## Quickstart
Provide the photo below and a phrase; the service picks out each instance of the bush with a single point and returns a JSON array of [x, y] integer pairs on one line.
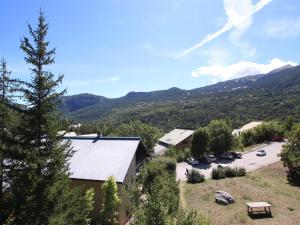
[[183, 155], [191, 218], [180, 157], [218, 173], [290, 155], [195, 177], [229, 172], [170, 163], [223, 172], [262, 133], [241, 171]]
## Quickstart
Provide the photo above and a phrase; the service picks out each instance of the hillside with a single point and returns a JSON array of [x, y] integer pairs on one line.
[[264, 96], [268, 184]]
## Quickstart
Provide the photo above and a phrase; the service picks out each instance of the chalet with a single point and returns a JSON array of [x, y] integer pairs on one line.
[[96, 158], [179, 138], [246, 127]]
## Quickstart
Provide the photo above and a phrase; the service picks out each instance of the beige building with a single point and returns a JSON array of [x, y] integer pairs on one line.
[[179, 138], [246, 127], [97, 158]]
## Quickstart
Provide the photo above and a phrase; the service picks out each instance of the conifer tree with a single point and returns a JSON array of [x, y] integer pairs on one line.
[[8, 87], [39, 165], [111, 202]]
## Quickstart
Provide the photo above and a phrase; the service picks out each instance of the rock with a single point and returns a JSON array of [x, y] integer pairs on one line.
[[222, 201], [224, 198]]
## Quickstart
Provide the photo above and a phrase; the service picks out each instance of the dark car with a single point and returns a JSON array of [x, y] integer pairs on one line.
[[192, 161], [210, 159], [226, 155], [277, 139], [236, 155]]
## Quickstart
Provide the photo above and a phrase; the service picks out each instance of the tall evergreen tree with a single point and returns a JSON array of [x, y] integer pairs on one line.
[[8, 87], [39, 165], [111, 202]]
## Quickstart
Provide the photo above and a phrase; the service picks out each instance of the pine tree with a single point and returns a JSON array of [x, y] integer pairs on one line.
[[39, 165], [8, 87], [111, 202]]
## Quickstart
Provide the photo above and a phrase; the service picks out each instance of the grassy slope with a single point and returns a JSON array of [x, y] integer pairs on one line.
[[267, 184]]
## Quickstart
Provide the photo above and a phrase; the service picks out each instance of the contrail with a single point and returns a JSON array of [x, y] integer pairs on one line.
[[228, 26]]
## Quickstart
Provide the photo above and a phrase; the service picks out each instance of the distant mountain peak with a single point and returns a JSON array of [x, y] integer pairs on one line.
[[174, 89], [288, 66]]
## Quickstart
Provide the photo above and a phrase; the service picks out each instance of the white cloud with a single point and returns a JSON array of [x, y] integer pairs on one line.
[[239, 19], [284, 28], [218, 56], [239, 69]]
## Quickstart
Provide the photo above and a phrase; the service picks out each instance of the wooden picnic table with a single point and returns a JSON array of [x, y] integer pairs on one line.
[[258, 207]]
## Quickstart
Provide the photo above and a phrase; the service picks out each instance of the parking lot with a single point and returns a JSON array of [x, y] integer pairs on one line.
[[249, 161]]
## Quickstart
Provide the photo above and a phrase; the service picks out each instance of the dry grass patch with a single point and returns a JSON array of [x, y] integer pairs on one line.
[[267, 184]]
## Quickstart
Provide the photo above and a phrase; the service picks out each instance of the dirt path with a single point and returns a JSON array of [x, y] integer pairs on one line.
[[181, 196]]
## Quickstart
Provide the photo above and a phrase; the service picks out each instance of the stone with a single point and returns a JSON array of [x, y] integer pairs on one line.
[[224, 198]]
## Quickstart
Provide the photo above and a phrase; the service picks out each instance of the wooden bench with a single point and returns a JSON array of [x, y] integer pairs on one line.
[[258, 208]]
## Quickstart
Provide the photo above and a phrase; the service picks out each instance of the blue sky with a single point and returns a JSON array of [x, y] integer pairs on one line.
[[111, 47]]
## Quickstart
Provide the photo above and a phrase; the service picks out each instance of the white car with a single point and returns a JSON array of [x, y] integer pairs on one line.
[[192, 161], [261, 152]]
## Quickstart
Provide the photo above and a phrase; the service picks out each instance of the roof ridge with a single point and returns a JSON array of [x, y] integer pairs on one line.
[[103, 138]]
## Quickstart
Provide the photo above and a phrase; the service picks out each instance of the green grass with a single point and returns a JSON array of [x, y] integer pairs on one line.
[[267, 184]]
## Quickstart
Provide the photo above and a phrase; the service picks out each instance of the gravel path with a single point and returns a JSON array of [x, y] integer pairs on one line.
[[249, 161]]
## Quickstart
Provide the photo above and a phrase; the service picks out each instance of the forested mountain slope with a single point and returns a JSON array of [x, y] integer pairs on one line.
[[265, 96]]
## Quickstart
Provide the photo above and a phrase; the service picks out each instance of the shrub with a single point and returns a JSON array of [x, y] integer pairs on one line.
[[195, 177], [290, 155], [187, 153], [171, 152], [229, 172], [247, 138], [241, 171], [223, 172], [191, 218], [180, 157], [170, 163], [262, 133], [218, 173]]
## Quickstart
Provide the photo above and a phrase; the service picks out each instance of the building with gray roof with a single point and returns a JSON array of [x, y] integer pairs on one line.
[[179, 138], [96, 158]]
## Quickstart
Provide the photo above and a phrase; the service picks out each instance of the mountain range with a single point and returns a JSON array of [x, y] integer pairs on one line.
[[274, 95]]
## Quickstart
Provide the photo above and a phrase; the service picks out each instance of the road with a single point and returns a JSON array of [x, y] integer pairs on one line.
[[249, 161]]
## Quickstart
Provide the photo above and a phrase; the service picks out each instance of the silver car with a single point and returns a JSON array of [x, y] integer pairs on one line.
[[261, 152], [192, 161]]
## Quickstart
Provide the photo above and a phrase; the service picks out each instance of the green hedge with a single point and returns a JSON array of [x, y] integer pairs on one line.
[[170, 163], [223, 172], [195, 176]]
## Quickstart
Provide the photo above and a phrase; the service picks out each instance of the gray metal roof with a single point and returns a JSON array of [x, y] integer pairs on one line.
[[159, 150], [99, 158], [176, 136]]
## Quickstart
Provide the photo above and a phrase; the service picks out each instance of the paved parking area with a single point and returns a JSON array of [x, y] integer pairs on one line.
[[249, 161]]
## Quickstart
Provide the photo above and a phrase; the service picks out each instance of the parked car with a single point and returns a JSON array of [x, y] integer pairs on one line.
[[209, 159], [261, 152], [192, 161], [226, 155], [277, 139], [236, 155]]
